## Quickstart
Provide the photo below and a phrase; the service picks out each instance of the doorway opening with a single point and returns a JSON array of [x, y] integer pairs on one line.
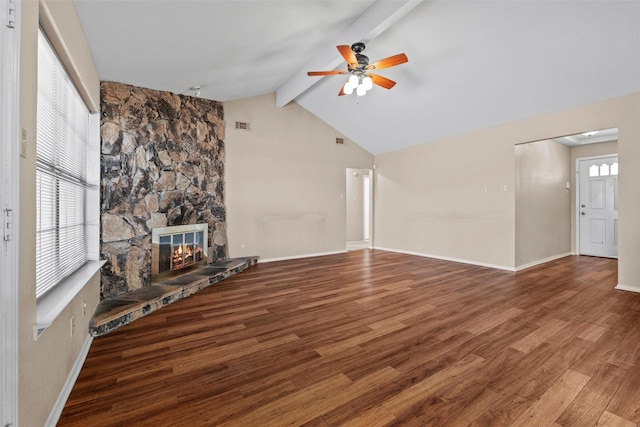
[[359, 208], [547, 195]]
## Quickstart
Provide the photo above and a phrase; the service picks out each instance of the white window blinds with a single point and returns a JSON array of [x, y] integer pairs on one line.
[[64, 127]]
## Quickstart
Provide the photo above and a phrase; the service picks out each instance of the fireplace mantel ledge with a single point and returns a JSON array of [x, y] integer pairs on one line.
[[49, 307]]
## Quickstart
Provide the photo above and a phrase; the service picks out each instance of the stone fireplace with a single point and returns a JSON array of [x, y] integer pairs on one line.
[[162, 160], [177, 249]]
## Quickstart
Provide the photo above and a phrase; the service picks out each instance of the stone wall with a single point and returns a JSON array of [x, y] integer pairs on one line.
[[162, 162]]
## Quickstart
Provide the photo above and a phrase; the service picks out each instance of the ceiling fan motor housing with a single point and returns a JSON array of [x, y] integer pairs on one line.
[[363, 60]]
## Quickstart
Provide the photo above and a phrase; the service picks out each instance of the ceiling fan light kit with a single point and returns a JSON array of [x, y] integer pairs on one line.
[[361, 80]]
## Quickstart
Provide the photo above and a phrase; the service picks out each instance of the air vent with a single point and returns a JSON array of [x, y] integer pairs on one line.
[[243, 126], [339, 140]]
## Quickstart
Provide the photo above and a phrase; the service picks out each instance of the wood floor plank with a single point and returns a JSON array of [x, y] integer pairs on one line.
[[592, 332], [378, 416], [418, 392], [594, 397], [627, 357], [598, 355], [554, 401], [537, 337], [472, 412], [611, 420], [626, 402], [492, 319], [379, 339], [378, 331], [315, 400]]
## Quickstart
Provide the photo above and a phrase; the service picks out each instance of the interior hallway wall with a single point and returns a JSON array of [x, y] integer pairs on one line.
[[285, 180], [543, 211]]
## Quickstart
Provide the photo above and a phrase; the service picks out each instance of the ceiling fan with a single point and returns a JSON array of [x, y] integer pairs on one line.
[[358, 66]]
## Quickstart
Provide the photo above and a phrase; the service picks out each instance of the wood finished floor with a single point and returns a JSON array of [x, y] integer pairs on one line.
[[373, 338]]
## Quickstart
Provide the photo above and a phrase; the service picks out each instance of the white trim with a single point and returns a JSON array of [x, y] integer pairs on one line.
[[360, 244], [55, 301], [301, 256], [56, 411], [627, 288], [9, 199], [444, 258], [542, 261], [370, 216]]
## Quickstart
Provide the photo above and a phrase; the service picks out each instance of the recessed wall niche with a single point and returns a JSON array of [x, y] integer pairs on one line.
[[162, 159]]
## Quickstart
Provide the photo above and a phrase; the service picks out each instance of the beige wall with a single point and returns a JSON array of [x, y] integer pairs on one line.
[[543, 211], [431, 199], [285, 180], [45, 362], [451, 199], [589, 150]]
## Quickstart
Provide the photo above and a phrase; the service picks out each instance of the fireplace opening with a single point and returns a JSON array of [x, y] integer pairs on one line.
[[175, 248]]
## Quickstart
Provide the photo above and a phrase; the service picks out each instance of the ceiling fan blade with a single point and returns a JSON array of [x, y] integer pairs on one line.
[[382, 81], [325, 73], [391, 61], [348, 55], [342, 92]]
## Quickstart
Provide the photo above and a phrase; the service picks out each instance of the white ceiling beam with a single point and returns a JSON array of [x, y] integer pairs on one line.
[[377, 18]]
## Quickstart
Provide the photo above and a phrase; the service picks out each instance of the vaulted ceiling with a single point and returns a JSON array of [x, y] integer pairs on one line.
[[472, 64]]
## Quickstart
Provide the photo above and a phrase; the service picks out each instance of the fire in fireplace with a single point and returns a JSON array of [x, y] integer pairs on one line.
[[177, 247]]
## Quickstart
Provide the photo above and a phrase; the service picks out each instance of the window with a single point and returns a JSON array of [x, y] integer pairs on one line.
[[604, 169], [66, 177]]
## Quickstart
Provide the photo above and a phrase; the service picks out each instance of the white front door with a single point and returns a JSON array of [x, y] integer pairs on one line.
[[598, 206]]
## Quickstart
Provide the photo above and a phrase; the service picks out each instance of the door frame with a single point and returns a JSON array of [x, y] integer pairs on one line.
[[9, 202], [368, 207], [370, 173], [577, 193]]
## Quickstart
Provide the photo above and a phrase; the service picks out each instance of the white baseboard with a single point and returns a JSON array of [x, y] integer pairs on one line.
[[628, 288], [463, 261], [542, 261], [56, 411], [301, 256]]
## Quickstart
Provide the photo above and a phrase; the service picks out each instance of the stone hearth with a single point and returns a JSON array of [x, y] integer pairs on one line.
[[113, 313]]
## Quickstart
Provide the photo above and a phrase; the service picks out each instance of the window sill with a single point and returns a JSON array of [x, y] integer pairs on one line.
[[53, 303]]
